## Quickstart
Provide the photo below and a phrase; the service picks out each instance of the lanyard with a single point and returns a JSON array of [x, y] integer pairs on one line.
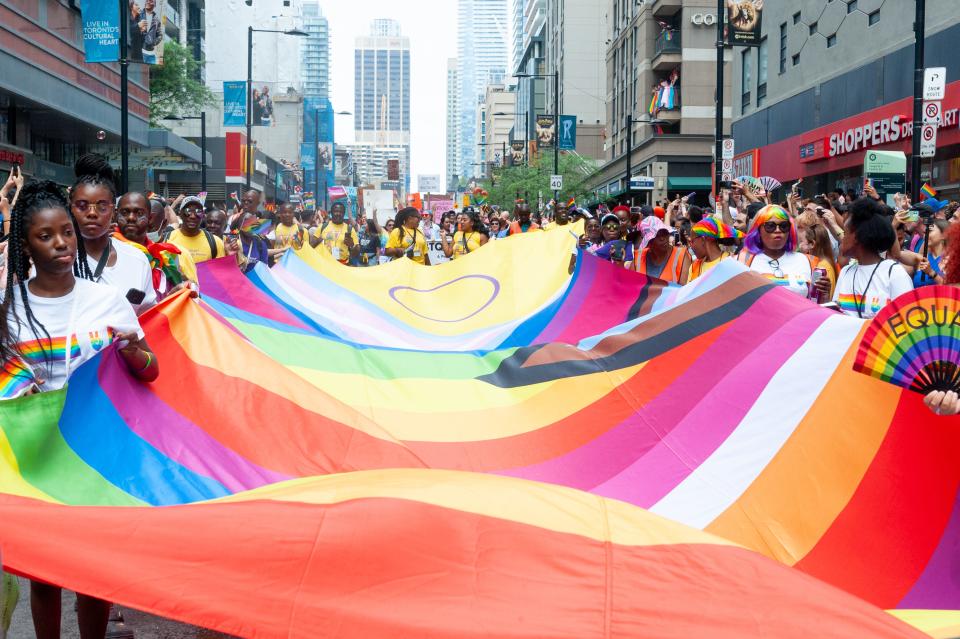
[[102, 262], [68, 346]]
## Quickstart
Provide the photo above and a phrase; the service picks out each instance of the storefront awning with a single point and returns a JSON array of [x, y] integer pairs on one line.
[[692, 183]]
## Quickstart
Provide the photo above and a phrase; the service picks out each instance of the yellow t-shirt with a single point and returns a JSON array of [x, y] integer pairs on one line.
[[286, 236], [333, 237], [699, 267], [461, 247], [187, 266], [404, 238], [197, 246]]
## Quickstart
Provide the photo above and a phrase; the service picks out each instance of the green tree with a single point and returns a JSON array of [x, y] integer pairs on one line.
[[526, 182], [174, 87]]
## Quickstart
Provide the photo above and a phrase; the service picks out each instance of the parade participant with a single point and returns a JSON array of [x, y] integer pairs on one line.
[[406, 238], [254, 248], [369, 241], [201, 244], [215, 221], [387, 229], [706, 237], [288, 233], [114, 263], [494, 228], [171, 268], [521, 222], [468, 237], [615, 249], [929, 270], [337, 236], [561, 216], [941, 402], [869, 281], [658, 257], [52, 322], [815, 242], [427, 227], [592, 238], [770, 250]]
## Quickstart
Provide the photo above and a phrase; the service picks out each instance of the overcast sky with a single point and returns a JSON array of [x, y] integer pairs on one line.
[[431, 26]]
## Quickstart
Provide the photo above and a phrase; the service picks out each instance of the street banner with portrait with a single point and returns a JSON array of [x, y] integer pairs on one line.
[[517, 151], [743, 23], [145, 31], [546, 131], [235, 103], [261, 104]]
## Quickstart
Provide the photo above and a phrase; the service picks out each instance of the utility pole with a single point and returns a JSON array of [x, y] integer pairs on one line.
[[249, 145], [203, 151], [629, 150], [124, 101], [556, 128], [918, 64], [718, 133], [316, 160]]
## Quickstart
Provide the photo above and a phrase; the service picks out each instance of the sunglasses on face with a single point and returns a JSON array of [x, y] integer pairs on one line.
[[611, 227], [102, 206], [770, 227]]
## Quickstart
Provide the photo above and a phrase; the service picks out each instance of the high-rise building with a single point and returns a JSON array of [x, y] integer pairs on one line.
[[516, 32], [453, 125], [496, 123], [369, 164], [531, 90], [575, 49], [382, 89], [316, 52], [483, 53]]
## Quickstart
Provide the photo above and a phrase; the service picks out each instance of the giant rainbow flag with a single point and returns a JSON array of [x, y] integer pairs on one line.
[[491, 447]]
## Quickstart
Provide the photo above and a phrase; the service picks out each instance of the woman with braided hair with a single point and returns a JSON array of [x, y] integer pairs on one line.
[[470, 235], [54, 318]]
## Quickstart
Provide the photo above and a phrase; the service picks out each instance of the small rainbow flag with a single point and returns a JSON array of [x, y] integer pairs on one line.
[[928, 190], [256, 226]]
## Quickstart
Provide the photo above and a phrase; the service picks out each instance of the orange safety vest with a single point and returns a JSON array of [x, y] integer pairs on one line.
[[515, 228], [672, 270]]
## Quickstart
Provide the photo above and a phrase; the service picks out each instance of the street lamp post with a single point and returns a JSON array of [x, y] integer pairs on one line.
[[203, 143], [250, 32]]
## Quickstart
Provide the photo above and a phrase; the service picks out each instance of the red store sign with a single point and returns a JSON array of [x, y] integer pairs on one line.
[[841, 145], [11, 157]]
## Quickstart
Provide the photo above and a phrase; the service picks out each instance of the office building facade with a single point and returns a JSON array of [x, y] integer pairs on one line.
[[453, 126], [483, 53], [833, 80], [315, 65]]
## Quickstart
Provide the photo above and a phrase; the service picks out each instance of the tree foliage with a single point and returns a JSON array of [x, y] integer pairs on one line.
[[522, 181], [174, 87]]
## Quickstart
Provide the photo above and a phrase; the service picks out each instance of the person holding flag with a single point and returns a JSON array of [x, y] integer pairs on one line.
[[289, 233], [337, 236]]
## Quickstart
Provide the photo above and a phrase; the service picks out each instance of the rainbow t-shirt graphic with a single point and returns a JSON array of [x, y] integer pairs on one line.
[[850, 303]]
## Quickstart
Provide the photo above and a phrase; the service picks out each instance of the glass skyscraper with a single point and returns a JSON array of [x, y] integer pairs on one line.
[[315, 69]]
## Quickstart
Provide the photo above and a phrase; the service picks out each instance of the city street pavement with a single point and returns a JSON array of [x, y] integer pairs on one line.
[[144, 626]]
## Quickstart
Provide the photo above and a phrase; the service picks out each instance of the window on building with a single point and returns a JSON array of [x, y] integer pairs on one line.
[[831, 40], [762, 72], [813, 28], [796, 59], [796, 18], [851, 6], [873, 18], [745, 79], [783, 48]]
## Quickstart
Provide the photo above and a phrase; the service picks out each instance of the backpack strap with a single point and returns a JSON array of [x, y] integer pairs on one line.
[[212, 243]]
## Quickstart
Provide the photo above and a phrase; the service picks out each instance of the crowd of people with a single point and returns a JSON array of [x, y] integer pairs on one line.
[[80, 265]]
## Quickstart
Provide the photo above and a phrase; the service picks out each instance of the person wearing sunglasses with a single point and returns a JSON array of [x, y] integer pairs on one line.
[[770, 249], [706, 238], [658, 256], [114, 263], [614, 249]]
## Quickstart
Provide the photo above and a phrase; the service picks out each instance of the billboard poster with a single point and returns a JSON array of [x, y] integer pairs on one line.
[[325, 155], [235, 103], [145, 31], [567, 135], [261, 105], [101, 30], [517, 151], [546, 131], [743, 23]]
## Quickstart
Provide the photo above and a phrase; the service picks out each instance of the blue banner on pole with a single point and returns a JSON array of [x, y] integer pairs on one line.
[[567, 133], [101, 30], [235, 103], [308, 156]]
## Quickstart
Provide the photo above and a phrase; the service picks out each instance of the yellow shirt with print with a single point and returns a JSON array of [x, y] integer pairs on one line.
[[333, 238], [288, 236], [463, 246], [701, 266], [404, 238], [197, 246]]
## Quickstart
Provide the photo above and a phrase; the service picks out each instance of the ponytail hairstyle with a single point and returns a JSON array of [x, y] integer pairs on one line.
[[35, 196], [94, 169]]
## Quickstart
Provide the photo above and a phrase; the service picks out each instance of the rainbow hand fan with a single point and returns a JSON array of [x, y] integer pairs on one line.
[[769, 183], [914, 341], [752, 183]]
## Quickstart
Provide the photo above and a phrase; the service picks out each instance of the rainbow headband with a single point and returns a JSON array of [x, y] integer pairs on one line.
[[770, 213], [712, 228]]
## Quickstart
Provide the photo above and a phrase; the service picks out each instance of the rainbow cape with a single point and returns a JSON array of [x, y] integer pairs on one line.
[[477, 453]]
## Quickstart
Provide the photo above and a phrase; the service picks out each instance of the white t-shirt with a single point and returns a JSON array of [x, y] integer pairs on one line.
[[887, 280], [81, 324], [132, 270], [792, 271]]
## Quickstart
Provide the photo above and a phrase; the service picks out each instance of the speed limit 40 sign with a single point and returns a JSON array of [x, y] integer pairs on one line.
[[556, 182]]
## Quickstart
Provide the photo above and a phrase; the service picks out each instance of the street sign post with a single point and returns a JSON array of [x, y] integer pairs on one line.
[[934, 83], [932, 112], [928, 140], [728, 149], [556, 182]]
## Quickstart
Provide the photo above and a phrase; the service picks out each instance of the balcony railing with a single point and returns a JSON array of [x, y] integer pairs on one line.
[[667, 42]]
